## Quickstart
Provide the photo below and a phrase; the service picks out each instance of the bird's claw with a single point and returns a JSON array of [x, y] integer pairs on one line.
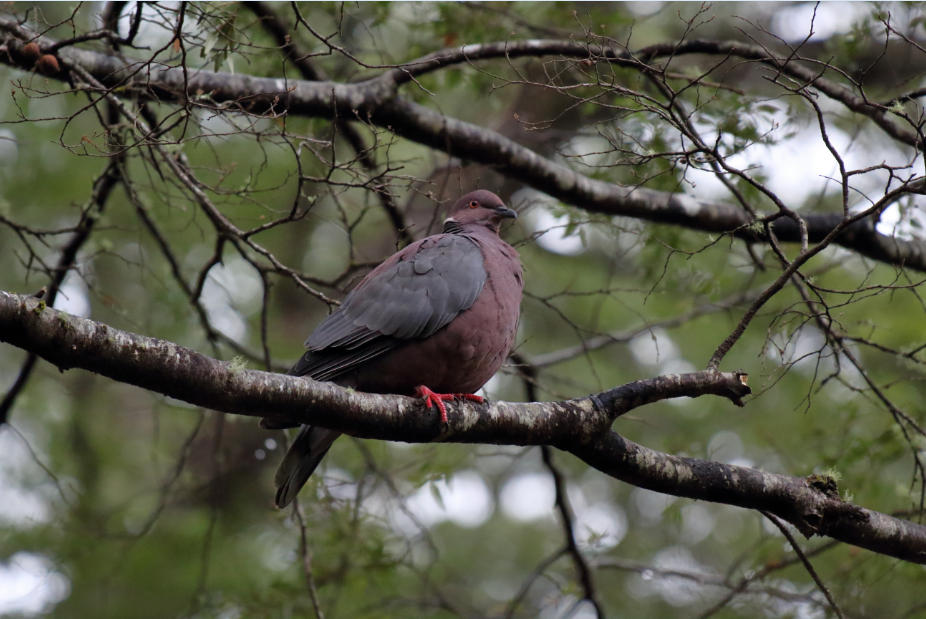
[[431, 399]]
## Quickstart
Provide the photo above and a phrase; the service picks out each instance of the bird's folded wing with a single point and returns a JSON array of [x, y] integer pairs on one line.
[[411, 295]]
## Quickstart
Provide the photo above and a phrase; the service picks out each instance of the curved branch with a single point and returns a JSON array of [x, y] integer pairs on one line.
[[580, 426], [377, 99], [163, 367], [811, 504], [467, 141], [788, 65]]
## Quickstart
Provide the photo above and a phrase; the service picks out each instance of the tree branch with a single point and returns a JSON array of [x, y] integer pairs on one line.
[[377, 100], [580, 426], [163, 367], [811, 504], [807, 565], [586, 576]]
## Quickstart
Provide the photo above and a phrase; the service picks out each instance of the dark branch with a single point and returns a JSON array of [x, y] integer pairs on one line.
[[811, 504], [586, 576], [377, 100], [166, 368], [806, 562], [580, 426]]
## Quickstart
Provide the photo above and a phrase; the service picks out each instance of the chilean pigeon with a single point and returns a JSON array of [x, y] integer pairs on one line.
[[436, 320]]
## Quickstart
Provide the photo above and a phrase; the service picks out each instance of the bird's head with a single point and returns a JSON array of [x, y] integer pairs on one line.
[[480, 208]]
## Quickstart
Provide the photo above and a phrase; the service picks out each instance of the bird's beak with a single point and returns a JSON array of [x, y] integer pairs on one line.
[[506, 213]]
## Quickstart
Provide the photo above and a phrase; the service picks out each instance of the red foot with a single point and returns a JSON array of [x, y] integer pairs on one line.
[[431, 398]]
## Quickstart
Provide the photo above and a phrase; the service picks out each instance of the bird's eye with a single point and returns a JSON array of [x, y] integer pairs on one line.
[[473, 204]]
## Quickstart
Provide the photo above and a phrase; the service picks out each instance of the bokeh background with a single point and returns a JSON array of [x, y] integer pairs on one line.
[[115, 502]]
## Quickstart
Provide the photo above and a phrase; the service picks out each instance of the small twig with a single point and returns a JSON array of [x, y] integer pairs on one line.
[[306, 554], [586, 577], [537, 573], [800, 553]]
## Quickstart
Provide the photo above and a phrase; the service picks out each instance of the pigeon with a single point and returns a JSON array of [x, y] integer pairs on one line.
[[436, 320]]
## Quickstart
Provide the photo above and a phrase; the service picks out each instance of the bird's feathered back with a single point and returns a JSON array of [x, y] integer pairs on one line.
[[403, 310]]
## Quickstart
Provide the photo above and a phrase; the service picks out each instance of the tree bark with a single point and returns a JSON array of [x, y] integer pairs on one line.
[[376, 100], [580, 426]]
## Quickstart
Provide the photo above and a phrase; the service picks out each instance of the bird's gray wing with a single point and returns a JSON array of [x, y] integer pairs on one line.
[[411, 295]]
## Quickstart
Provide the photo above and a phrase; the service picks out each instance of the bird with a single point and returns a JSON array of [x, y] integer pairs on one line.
[[435, 320]]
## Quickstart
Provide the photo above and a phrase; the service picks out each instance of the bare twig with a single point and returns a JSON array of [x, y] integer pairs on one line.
[[800, 553], [586, 577]]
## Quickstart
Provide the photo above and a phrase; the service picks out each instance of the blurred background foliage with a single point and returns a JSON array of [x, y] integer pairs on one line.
[[115, 502]]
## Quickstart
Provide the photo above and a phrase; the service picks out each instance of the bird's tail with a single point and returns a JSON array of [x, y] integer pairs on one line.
[[304, 455]]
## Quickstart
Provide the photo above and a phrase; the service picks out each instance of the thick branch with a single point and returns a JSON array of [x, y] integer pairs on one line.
[[788, 64], [468, 141], [579, 426], [811, 504], [166, 368], [377, 100]]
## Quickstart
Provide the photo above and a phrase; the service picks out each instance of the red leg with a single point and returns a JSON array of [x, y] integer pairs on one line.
[[431, 398]]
